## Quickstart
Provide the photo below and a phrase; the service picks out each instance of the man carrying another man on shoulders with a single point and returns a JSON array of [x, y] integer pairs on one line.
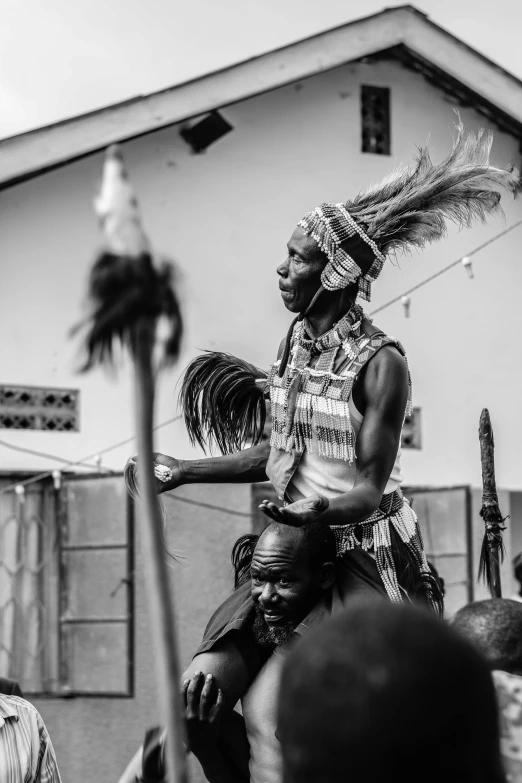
[[292, 576]]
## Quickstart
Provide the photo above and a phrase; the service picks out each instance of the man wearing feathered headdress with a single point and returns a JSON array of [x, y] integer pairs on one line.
[[339, 390]]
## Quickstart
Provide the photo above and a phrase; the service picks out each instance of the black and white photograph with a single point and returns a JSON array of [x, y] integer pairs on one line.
[[260, 382]]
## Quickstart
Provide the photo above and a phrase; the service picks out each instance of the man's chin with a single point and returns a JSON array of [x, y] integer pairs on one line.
[[289, 302], [272, 634]]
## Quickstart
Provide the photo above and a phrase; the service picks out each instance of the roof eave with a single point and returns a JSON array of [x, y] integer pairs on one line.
[[30, 154]]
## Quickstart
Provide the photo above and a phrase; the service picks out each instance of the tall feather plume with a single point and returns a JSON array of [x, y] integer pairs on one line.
[[410, 208], [223, 402]]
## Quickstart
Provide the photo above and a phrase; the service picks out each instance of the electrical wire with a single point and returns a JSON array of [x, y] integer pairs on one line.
[[65, 465], [174, 498], [54, 457], [447, 268]]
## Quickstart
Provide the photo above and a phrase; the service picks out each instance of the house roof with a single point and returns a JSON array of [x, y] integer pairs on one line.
[[403, 33]]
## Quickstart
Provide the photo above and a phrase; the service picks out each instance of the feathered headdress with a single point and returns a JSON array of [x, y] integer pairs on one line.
[[410, 208]]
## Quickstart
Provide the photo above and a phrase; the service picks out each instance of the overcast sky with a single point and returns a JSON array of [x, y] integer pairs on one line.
[[60, 58]]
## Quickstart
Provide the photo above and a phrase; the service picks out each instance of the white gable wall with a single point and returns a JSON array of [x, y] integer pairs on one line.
[[226, 216]]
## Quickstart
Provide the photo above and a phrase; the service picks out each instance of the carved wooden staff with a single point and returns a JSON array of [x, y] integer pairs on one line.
[[492, 553], [129, 294]]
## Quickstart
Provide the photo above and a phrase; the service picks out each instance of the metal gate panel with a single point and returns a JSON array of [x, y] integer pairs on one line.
[[444, 515], [96, 605]]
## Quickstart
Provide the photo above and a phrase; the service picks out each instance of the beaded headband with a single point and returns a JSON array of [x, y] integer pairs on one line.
[[336, 233]]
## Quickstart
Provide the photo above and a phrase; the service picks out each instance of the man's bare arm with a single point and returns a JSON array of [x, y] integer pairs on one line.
[[386, 393], [245, 466]]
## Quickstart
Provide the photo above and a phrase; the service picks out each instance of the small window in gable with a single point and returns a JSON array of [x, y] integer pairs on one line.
[[375, 119]]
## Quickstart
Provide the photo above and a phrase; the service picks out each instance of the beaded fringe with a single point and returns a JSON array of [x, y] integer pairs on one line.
[[310, 405], [376, 537], [335, 436]]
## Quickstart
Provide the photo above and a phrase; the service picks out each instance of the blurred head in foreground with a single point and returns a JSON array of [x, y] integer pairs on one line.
[[495, 628], [385, 691]]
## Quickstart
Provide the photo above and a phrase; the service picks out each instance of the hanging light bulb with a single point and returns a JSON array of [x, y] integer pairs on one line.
[[20, 492], [57, 479], [466, 263], [406, 301]]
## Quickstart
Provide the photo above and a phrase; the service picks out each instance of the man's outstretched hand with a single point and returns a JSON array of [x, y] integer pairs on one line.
[[173, 472], [299, 513]]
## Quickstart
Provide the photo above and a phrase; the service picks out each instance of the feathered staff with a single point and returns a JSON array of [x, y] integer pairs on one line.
[[492, 552], [223, 401], [130, 296]]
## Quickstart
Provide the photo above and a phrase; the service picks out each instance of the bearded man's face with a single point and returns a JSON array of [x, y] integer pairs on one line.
[[271, 635], [285, 585]]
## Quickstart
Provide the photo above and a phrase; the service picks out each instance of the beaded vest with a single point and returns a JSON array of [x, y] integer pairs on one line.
[[317, 384]]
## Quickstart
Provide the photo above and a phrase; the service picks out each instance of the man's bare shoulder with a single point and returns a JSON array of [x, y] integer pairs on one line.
[[385, 382], [388, 365], [388, 358]]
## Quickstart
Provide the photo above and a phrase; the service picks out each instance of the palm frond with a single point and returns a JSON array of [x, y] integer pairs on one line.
[[411, 207], [223, 401]]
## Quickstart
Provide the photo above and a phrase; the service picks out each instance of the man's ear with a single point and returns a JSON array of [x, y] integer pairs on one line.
[[327, 576], [360, 251]]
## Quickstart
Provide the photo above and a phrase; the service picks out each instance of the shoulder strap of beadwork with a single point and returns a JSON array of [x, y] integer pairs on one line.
[[369, 345]]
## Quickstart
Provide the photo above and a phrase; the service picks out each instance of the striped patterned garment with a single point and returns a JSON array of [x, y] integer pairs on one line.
[[509, 697], [26, 750], [314, 391]]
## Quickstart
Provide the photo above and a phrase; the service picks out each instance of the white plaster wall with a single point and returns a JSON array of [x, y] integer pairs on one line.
[[226, 216]]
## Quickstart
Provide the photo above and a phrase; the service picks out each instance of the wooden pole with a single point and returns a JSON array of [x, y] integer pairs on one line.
[[492, 547], [163, 627], [128, 295]]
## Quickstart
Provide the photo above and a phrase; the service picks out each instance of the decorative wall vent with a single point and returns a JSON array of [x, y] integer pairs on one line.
[[411, 431], [375, 119], [37, 408]]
